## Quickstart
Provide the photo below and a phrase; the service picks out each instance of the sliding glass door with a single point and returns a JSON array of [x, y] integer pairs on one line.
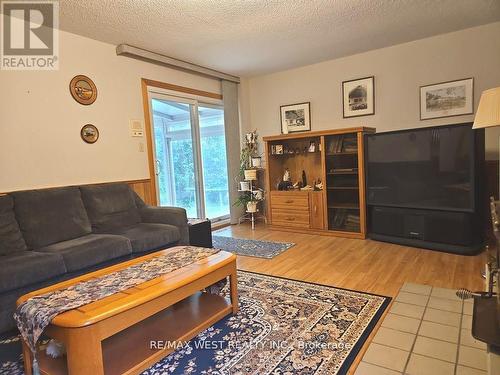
[[214, 162], [175, 165], [190, 152]]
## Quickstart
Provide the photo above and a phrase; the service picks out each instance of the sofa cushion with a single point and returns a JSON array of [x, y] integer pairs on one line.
[[11, 239], [24, 268], [52, 215], [147, 237], [90, 250], [110, 206]]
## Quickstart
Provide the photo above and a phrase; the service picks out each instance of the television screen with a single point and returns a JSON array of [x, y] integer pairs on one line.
[[422, 168]]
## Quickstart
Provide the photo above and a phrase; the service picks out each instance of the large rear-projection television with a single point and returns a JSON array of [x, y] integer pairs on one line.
[[415, 176]]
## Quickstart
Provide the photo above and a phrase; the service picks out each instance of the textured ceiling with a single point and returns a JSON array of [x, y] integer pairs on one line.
[[251, 37]]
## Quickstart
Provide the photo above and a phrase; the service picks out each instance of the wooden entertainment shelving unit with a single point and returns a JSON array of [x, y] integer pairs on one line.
[[338, 209]]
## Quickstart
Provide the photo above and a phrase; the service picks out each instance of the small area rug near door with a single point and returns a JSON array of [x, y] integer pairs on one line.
[[251, 248], [283, 327]]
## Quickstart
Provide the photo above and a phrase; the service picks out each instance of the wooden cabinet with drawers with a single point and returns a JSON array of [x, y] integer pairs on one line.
[[290, 200], [290, 208], [301, 209], [334, 157]]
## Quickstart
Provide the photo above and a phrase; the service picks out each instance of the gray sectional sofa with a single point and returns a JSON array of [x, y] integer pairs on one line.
[[51, 235]]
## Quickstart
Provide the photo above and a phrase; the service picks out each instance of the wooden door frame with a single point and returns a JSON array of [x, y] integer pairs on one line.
[[148, 121]]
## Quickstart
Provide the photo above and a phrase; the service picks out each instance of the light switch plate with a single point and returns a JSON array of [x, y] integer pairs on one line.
[[136, 128]]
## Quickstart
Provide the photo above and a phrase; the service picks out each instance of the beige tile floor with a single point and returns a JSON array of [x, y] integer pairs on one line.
[[426, 332]]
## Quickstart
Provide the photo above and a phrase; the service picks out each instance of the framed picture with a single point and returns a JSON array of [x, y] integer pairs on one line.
[[83, 90], [295, 118], [445, 99], [358, 97], [89, 133]]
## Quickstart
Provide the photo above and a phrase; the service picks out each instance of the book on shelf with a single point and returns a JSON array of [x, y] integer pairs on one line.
[[339, 218], [349, 145], [335, 145], [337, 170], [352, 222], [331, 145], [353, 218], [341, 144], [344, 220]]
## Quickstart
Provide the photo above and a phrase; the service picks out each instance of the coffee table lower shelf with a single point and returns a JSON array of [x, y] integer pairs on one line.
[[130, 351]]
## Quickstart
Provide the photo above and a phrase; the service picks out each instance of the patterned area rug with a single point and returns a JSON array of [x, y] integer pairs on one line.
[[251, 248], [283, 327]]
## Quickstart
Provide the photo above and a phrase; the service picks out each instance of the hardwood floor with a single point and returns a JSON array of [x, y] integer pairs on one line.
[[364, 265]]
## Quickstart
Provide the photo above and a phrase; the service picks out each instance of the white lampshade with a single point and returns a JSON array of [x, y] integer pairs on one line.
[[488, 112]]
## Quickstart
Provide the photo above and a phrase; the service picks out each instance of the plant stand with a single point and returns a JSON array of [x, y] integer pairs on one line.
[[251, 216], [250, 165]]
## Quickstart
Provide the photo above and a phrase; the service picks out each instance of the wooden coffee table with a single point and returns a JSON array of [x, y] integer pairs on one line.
[[117, 335]]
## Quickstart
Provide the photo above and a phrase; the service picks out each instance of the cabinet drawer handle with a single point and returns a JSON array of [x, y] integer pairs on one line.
[[289, 201], [290, 219]]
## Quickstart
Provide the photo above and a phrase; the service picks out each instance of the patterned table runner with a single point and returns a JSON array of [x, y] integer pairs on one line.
[[35, 314]]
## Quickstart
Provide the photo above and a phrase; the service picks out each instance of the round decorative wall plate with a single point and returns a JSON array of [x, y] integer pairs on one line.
[[89, 133], [83, 90]]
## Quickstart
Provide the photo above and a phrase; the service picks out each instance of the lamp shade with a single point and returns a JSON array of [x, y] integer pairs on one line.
[[488, 112]]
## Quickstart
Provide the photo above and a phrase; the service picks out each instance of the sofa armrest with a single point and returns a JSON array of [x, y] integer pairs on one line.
[[167, 215]]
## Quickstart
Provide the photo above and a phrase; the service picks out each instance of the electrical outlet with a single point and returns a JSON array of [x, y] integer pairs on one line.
[[141, 147]]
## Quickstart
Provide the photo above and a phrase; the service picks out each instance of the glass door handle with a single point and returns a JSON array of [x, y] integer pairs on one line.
[[158, 167]]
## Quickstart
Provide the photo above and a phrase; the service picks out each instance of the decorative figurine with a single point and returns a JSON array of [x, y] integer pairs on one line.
[[258, 194], [312, 147], [251, 137], [286, 176]]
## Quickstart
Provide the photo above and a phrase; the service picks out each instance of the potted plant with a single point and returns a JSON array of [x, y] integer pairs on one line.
[[250, 174], [248, 201], [256, 161], [249, 163], [243, 200], [246, 171], [252, 206], [244, 186]]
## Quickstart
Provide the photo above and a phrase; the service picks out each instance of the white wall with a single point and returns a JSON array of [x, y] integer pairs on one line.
[[40, 144], [40, 123], [398, 70]]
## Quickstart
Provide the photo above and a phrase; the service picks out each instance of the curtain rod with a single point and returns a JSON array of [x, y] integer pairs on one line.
[[142, 54]]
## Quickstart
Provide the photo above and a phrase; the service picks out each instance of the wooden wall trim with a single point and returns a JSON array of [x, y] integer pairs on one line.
[[142, 187], [141, 180]]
